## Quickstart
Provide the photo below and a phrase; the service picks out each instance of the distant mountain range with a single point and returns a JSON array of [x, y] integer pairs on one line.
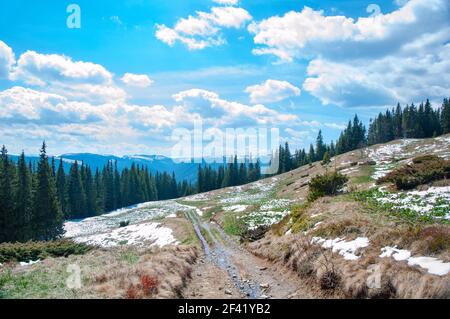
[[155, 163]]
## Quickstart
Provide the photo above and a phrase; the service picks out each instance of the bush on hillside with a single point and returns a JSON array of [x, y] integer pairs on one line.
[[422, 170], [24, 252], [328, 184]]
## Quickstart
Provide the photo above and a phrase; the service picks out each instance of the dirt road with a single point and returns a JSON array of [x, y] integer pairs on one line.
[[229, 271]]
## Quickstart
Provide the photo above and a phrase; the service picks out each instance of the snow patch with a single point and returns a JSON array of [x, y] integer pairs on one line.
[[235, 208], [434, 266], [276, 204], [347, 249], [29, 263], [136, 235], [434, 199], [197, 198], [263, 219]]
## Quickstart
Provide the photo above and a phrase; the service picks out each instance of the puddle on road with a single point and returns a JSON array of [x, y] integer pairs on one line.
[[220, 257]]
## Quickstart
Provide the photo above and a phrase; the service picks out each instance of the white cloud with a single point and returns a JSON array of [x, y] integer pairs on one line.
[[311, 33], [42, 69], [137, 80], [203, 30], [59, 74], [7, 60], [384, 81], [400, 56], [21, 104], [227, 2], [272, 91], [223, 112]]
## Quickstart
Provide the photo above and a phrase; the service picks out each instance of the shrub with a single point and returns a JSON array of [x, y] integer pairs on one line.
[[326, 185], [17, 252], [326, 159], [149, 285], [256, 234], [422, 170], [124, 223], [329, 280], [437, 239], [300, 219]]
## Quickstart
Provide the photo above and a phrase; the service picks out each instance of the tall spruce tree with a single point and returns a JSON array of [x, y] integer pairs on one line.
[[76, 196], [7, 216], [23, 202], [47, 217], [61, 187]]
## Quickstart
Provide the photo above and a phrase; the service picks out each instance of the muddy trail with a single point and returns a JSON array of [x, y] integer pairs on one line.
[[227, 270]]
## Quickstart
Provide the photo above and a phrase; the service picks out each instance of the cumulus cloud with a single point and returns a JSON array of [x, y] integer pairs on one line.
[[59, 74], [203, 30], [383, 81], [272, 91], [7, 60], [42, 69], [232, 113], [21, 104], [309, 33], [400, 56], [137, 80]]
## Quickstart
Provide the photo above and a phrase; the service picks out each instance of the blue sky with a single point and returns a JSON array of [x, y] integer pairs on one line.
[[138, 69]]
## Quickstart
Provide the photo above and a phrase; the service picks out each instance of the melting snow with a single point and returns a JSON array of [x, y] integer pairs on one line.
[[347, 249], [257, 219], [432, 199], [235, 208], [276, 204], [131, 235], [397, 254], [197, 198], [31, 262], [433, 265]]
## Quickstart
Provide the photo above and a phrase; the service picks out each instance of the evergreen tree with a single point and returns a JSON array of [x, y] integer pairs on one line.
[[320, 146], [23, 202], [61, 187], [445, 116], [76, 196], [47, 217], [7, 218]]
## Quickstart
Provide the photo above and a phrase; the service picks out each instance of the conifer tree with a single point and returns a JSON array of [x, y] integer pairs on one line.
[[7, 218], [47, 217], [23, 202]]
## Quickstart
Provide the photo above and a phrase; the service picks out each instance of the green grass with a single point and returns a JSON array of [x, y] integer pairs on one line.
[[232, 225], [16, 252], [369, 198], [366, 175], [129, 257], [39, 283]]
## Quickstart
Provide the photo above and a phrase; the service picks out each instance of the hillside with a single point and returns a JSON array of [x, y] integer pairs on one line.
[[263, 240]]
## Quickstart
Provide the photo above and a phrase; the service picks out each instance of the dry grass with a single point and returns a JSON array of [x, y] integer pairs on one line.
[[160, 274], [118, 273], [331, 276]]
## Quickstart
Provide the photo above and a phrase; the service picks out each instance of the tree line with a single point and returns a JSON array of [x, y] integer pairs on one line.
[[410, 122], [35, 201], [234, 173], [353, 137], [397, 123]]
